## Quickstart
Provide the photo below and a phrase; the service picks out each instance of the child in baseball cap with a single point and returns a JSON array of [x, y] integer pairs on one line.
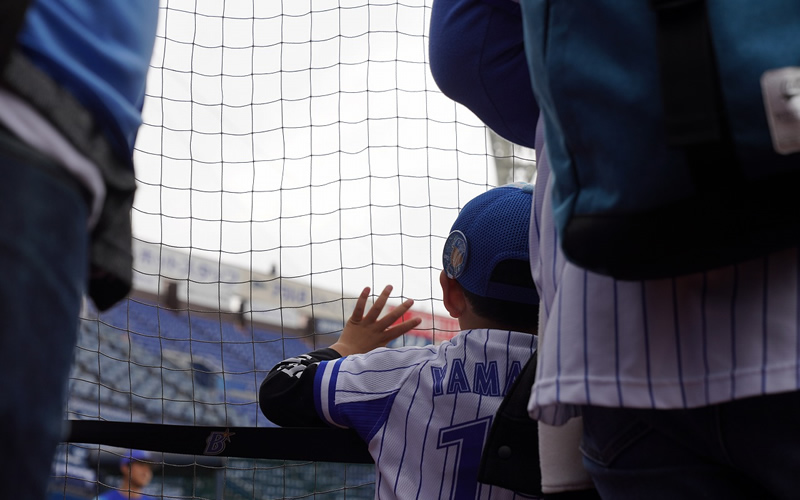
[[487, 254], [427, 404]]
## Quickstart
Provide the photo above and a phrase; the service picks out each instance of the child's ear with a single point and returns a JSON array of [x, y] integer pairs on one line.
[[453, 296]]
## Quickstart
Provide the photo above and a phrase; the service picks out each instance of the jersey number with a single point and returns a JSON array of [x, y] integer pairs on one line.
[[468, 438]]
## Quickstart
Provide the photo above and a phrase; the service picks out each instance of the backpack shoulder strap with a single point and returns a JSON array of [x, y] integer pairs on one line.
[[694, 113], [510, 456]]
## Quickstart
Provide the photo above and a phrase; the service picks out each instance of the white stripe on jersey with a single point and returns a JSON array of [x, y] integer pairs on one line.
[[675, 343], [425, 411], [324, 376]]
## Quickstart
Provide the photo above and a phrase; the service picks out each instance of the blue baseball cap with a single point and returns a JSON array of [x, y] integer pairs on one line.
[[492, 228], [134, 455]]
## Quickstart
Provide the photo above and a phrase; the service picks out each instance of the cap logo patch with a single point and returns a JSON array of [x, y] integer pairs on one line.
[[454, 256]]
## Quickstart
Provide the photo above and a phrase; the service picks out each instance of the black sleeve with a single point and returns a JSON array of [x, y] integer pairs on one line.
[[286, 396]]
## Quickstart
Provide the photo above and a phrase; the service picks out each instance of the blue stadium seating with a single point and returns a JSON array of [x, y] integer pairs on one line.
[[152, 364]]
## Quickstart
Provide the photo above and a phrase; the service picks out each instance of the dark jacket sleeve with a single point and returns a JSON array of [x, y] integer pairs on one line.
[[286, 396]]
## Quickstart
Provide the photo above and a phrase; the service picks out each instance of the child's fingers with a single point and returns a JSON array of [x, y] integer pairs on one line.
[[377, 307], [361, 303], [394, 314], [402, 328]]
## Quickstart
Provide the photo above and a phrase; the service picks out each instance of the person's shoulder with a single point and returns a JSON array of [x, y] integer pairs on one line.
[[506, 331], [391, 356], [116, 495], [508, 337]]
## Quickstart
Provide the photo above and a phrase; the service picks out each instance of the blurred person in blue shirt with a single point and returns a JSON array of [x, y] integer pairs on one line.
[[72, 86], [137, 472]]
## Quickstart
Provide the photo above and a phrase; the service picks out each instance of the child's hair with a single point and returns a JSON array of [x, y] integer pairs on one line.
[[513, 315]]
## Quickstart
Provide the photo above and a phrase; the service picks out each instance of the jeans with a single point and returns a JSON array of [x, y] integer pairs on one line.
[[745, 449], [43, 268]]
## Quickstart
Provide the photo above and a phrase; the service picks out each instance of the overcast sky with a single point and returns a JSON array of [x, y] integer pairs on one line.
[[312, 141]]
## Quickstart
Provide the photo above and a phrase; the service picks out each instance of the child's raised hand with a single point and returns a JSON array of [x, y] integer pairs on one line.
[[365, 333]]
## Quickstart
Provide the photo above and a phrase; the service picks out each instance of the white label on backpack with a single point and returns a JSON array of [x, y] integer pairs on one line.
[[781, 88]]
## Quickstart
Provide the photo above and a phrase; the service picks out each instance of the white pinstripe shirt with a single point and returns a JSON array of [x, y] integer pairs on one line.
[[684, 342], [425, 412]]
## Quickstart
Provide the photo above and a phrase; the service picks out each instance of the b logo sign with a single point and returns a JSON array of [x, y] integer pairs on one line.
[[216, 442]]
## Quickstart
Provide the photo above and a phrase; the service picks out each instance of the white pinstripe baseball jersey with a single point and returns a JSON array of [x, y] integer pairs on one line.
[[685, 342], [425, 412]]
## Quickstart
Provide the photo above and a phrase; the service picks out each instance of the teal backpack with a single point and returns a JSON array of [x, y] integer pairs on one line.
[[672, 129]]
